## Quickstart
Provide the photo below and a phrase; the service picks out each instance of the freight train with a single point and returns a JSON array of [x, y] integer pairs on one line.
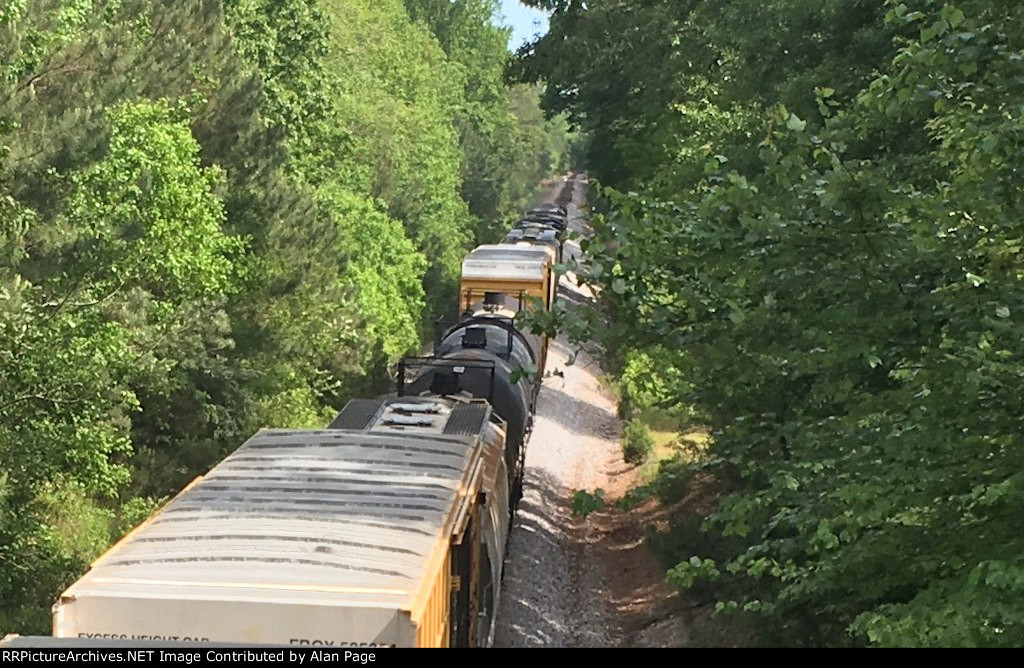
[[387, 528]]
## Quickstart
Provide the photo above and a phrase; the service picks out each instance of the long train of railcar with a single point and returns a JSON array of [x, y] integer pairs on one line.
[[387, 528]]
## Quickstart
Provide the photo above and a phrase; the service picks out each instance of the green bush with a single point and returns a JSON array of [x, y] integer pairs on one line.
[[673, 480], [637, 442], [584, 502], [651, 378]]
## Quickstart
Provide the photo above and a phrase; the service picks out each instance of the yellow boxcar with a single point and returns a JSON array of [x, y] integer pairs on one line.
[[350, 536]]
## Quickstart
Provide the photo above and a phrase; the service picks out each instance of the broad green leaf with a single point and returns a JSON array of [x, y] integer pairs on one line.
[[795, 123]]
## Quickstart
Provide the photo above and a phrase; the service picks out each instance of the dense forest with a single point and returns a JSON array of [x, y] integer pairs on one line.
[[222, 215], [812, 243]]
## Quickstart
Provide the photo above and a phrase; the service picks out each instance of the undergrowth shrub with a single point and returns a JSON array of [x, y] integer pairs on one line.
[[637, 442]]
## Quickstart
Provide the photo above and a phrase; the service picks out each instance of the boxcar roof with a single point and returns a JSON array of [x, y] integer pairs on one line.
[[518, 262], [329, 516]]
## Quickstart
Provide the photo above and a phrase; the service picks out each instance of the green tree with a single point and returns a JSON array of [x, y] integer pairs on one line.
[[145, 263], [217, 216], [826, 237]]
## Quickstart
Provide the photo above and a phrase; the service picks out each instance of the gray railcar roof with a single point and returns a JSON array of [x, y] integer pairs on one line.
[[297, 514], [515, 261]]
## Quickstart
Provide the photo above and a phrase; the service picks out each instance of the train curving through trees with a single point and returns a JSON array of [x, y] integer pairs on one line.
[[387, 528]]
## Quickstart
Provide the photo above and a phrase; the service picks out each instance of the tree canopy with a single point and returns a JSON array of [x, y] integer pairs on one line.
[[217, 216], [811, 239]]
